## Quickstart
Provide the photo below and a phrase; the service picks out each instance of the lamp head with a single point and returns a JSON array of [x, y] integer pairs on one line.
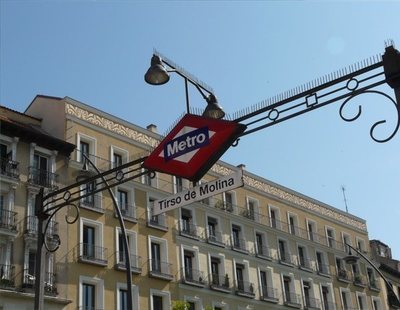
[[351, 259], [213, 109], [157, 74]]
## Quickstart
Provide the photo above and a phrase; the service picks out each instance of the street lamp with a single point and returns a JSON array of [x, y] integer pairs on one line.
[[158, 74], [48, 205], [351, 259]]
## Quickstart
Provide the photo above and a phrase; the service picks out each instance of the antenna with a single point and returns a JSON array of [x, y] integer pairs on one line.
[[344, 198]]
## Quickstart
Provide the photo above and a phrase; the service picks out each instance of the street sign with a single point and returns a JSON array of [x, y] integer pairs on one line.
[[198, 193], [193, 146]]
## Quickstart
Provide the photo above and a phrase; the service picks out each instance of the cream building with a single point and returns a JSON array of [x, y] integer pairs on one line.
[[262, 246]]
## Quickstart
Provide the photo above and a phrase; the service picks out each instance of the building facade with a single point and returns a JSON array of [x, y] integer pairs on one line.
[[262, 246]]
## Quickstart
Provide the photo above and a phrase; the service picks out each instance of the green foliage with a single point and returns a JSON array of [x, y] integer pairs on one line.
[[180, 305]]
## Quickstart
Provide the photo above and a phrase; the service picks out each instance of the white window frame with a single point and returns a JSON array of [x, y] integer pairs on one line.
[[364, 299], [270, 277], [242, 235], [98, 226], [196, 260], [348, 297], [295, 222], [277, 217], [99, 290], [163, 248], [162, 218], [362, 242], [256, 207], [292, 286], [315, 230], [119, 151], [153, 181], [92, 146], [305, 252], [221, 266], [264, 237], [329, 228], [313, 294], [132, 242], [379, 302], [331, 297], [234, 199], [194, 299], [135, 295], [166, 296], [287, 248], [246, 271], [131, 196]]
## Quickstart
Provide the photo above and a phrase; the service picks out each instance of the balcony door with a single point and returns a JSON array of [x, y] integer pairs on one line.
[[89, 240]]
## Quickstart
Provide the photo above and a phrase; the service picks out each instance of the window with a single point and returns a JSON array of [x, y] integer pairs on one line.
[[323, 267], [121, 252], [188, 263], [262, 249], [274, 217], [361, 301], [325, 297], [361, 245], [84, 148], [126, 203], [159, 266], [122, 296], [215, 270], [86, 145], [214, 235], [312, 229], [178, 184], [240, 276], [346, 240], [284, 255], [91, 238], [156, 221], [238, 243], [187, 226], [376, 303], [117, 160], [267, 290], [304, 261], [288, 287], [228, 201], [90, 293], [292, 220], [330, 236], [92, 201], [159, 300], [252, 209], [40, 169], [346, 298]]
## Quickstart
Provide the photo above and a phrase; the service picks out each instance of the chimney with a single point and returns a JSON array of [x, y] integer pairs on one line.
[[241, 166], [152, 128]]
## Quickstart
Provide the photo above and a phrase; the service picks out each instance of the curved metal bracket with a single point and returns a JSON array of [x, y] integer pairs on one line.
[[371, 132]]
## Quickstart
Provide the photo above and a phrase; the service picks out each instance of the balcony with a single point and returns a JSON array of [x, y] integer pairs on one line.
[[249, 214], [92, 254], [359, 280], [263, 252], [374, 285], [160, 270], [344, 275], [92, 202], [136, 262], [312, 303], [9, 168], [29, 282], [215, 237], [305, 264], [158, 222], [219, 283], [31, 230], [329, 305], [225, 206], [42, 178], [192, 277], [188, 229], [287, 259], [239, 245], [292, 300], [269, 294], [8, 221], [128, 213], [323, 270], [7, 275], [244, 289]]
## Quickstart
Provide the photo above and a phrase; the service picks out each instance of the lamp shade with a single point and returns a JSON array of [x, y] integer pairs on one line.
[[213, 109], [157, 74], [351, 259]]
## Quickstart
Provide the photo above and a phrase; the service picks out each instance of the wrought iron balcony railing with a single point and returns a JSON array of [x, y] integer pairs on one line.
[[192, 276], [136, 262], [8, 220], [239, 244], [128, 212], [215, 237], [245, 288], [344, 275], [42, 177], [323, 269], [9, 168], [7, 275], [161, 270], [93, 202], [29, 282], [269, 293], [157, 221], [188, 229], [263, 252], [286, 258], [90, 253], [305, 264], [32, 227], [312, 303], [292, 299], [359, 280], [219, 282]]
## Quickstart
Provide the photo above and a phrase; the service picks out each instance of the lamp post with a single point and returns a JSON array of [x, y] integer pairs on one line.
[[351, 259], [47, 206]]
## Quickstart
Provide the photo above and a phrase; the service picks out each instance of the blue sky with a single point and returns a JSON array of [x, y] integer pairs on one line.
[[97, 52]]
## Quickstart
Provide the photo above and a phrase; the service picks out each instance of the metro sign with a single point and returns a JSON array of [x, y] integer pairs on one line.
[[193, 146]]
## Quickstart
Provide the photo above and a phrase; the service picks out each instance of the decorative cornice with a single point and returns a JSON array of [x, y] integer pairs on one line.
[[292, 198], [262, 186], [110, 125]]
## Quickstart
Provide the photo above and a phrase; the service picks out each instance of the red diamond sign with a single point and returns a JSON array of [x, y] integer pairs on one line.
[[193, 146]]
